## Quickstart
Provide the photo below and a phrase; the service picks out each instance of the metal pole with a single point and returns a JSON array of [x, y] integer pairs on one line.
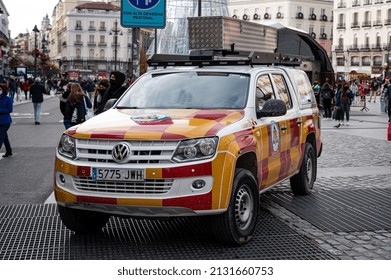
[[35, 30], [199, 7], [115, 44]]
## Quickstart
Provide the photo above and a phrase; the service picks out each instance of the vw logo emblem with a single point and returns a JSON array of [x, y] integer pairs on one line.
[[121, 152]]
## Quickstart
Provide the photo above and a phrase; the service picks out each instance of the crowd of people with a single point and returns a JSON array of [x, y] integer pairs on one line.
[[76, 98], [336, 101]]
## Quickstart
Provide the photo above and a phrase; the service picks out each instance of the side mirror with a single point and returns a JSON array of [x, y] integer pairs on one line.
[[272, 108], [109, 104]]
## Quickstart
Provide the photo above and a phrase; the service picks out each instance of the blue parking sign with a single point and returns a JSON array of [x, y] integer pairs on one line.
[[143, 13]]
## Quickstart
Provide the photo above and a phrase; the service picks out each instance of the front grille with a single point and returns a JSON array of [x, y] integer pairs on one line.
[[146, 152], [149, 186]]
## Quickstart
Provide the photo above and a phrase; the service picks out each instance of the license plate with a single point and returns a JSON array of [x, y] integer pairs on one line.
[[118, 174]]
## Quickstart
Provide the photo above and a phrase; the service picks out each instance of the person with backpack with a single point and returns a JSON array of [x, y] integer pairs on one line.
[[327, 95], [76, 106]]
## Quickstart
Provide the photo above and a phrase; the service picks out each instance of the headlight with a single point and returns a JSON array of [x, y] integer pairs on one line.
[[196, 149], [67, 147]]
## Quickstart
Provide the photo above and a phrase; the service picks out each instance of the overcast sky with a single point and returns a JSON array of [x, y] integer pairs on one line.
[[24, 14]]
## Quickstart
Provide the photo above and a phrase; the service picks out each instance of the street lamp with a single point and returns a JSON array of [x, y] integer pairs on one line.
[[35, 30], [115, 30]]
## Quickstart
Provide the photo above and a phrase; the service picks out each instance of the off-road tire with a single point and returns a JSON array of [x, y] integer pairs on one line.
[[303, 182], [237, 225]]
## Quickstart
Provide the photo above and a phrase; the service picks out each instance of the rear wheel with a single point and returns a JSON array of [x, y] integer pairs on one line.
[[237, 224], [82, 221], [303, 182]]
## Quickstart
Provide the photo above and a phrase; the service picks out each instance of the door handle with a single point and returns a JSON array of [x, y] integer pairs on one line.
[[299, 122], [284, 127]]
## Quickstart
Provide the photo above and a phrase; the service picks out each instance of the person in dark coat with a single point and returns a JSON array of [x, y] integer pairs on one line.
[[115, 90], [76, 106], [99, 93], [37, 90], [63, 103], [6, 108]]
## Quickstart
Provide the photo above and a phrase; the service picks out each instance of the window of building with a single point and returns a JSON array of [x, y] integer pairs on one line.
[[366, 61], [355, 61], [78, 38], [102, 54], [91, 38], [91, 54], [340, 61], [78, 53], [92, 24], [102, 25], [378, 40], [322, 12], [78, 24], [377, 61]]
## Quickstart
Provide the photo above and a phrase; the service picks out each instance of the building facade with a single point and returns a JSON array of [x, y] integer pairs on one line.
[[4, 39], [87, 37], [314, 17], [362, 41]]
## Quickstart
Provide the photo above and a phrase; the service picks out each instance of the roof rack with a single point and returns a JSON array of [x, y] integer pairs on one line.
[[223, 57]]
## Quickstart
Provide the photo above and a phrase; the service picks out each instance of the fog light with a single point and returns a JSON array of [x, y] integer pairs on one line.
[[198, 184], [62, 179]]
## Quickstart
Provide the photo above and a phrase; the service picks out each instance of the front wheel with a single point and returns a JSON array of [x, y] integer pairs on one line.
[[82, 221], [303, 182], [237, 225]]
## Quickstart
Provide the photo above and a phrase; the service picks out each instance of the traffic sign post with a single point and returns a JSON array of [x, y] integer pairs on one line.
[[141, 13]]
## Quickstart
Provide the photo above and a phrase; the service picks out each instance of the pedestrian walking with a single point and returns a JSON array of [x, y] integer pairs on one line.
[[25, 88], [99, 92], [115, 90], [12, 87], [76, 106], [6, 107], [374, 89], [316, 89], [327, 95], [90, 87], [37, 90]]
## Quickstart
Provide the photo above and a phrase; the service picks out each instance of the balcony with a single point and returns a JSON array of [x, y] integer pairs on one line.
[[366, 24], [376, 47], [92, 28], [102, 28], [341, 4], [387, 21], [365, 48], [379, 2], [341, 26], [78, 43], [356, 3], [367, 2], [91, 44], [323, 18], [102, 44], [78, 28], [355, 25], [377, 23], [312, 17], [354, 48], [339, 48]]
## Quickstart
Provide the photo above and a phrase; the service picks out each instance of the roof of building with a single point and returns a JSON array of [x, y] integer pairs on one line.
[[98, 6]]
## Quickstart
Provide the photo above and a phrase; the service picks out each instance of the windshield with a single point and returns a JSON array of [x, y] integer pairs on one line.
[[201, 90]]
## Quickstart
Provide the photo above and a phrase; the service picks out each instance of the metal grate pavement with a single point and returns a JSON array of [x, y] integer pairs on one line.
[[36, 232], [340, 211]]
